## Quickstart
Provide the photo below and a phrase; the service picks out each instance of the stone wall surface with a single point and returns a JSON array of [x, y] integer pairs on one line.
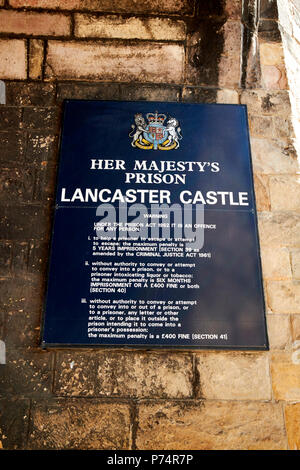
[[224, 51]]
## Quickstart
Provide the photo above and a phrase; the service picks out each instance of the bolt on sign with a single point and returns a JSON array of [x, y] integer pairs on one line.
[[155, 240]]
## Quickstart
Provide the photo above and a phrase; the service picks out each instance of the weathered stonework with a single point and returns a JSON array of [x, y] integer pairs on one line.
[[176, 50], [210, 426], [80, 424]]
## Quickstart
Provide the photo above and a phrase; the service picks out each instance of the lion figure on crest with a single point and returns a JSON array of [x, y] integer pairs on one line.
[[138, 129]]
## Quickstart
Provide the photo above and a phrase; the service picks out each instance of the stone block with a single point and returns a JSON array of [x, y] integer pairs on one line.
[[124, 375], [14, 419], [262, 197], [213, 54], [88, 91], [16, 185], [273, 77], [33, 23], [285, 371], [13, 59], [272, 156], [295, 259], [210, 425], [115, 62], [292, 422], [36, 59], [279, 331], [26, 374], [24, 222], [266, 102], [271, 53], [5, 258], [261, 126], [283, 127], [285, 192], [13, 147], [114, 26], [231, 376], [284, 296], [199, 94], [42, 148], [80, 424], [275, 263], [295, 322], [10, 117], [30, 94], [142, 92], [272, 226], [177, 7], [41, 118]]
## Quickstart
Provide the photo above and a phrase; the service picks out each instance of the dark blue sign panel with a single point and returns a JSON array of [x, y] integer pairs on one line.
[[155, 238]]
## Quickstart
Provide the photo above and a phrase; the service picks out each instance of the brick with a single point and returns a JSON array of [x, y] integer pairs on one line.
[[79, 424], [281, 199], [284, 296], [262, 198], [123, 6], [230, 376], [275, 263], [30, 94], [113, 26], [26, 373], [33, 23], [285, 371], [13, 59], [210, 425], [278, 331], [292, 422], [115, 62], [36, 59], [14, 419], [295, 259], [272, 156], [124, 375], [273, 225]]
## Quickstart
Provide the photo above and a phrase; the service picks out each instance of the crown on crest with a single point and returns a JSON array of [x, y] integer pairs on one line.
[[155, 118]]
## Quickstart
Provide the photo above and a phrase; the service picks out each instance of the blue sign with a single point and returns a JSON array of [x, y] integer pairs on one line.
[[155, 240]]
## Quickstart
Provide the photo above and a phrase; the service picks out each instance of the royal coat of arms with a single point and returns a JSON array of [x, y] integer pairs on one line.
[[155, 135]]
